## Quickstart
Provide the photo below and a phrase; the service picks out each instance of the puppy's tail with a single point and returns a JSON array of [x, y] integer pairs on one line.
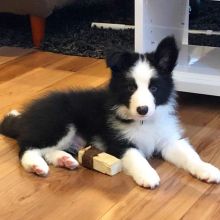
[[9, 124]]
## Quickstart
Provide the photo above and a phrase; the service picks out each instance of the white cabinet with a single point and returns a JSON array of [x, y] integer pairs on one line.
[[198, 69]]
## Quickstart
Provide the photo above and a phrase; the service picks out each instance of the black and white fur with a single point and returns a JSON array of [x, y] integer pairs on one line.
[[132, 118]]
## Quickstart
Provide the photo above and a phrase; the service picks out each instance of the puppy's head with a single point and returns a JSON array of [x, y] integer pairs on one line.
[[141, 82]]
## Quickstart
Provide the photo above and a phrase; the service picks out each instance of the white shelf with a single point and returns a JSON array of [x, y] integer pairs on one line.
[[198, 70]]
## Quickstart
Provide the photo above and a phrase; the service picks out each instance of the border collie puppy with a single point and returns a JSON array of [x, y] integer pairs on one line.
[[131, 119]]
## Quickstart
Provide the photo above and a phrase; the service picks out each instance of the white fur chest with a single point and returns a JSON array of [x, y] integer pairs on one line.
[[154, 132], [143, 136]]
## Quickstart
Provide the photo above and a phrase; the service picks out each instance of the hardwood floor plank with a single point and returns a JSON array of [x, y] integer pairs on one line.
[[92, 76], [11, 53], [202, 110], [25, 64], [207, 207], [98, 197], [15, 93], [37, 59], [95, 69], [72, 63], [20, 88]]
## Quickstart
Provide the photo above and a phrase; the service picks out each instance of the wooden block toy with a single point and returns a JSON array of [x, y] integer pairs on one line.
[[92, 158]]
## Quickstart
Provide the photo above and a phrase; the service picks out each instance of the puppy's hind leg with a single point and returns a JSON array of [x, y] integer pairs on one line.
[[60, 158], [56, 155], [32, 161]]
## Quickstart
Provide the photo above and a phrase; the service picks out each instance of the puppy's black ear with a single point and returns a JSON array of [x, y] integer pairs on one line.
[[165, 56], [119, 60]]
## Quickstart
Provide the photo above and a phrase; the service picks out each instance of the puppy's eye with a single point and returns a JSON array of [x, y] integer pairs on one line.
[[131, 87], [153, 89]]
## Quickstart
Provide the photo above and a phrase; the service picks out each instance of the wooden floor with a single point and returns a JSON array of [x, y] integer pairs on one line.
[[84, 194]]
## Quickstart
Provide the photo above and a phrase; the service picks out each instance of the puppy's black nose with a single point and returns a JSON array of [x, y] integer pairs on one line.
[[142, 110]]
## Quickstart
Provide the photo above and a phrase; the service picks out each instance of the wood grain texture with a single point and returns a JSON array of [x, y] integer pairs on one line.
[[36, 59], [11, 53], [84, 194]]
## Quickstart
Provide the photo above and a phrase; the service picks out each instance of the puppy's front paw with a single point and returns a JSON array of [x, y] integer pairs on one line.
[[207, 172], [148, 179]]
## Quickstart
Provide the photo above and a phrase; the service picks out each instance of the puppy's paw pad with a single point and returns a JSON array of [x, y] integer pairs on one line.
[[68, 162], [148, 180], [38, 170], [208, 173]]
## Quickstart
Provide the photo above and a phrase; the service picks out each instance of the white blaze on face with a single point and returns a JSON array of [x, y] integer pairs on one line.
[[142, 73]]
